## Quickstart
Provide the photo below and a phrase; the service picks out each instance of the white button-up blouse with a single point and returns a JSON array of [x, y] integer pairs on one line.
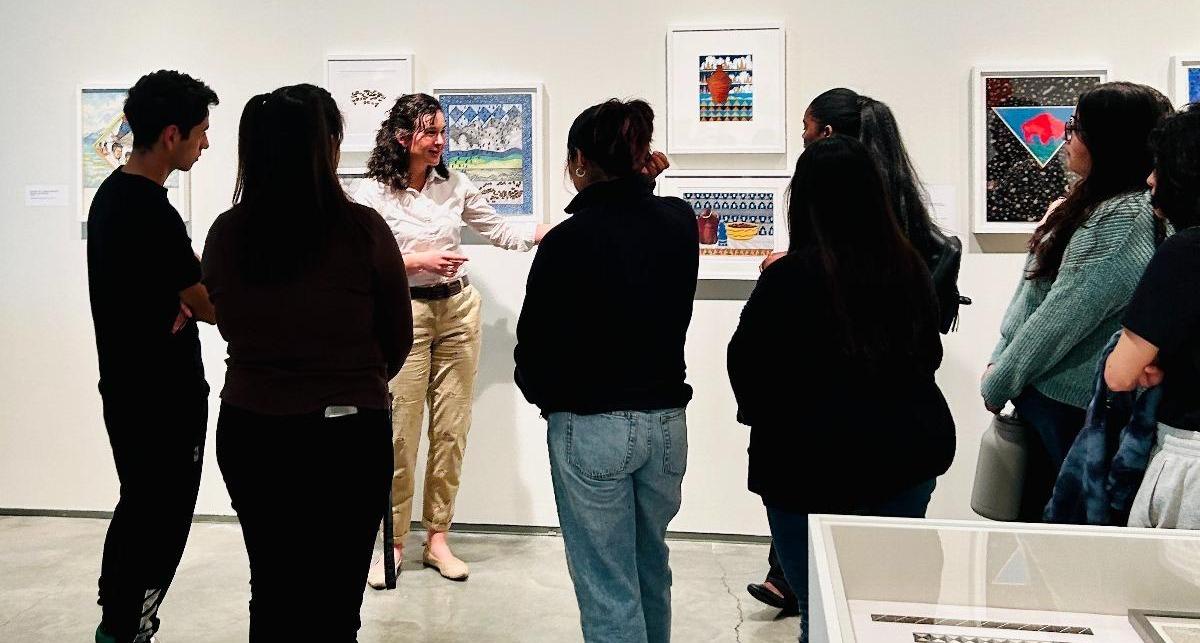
[[431, 219]]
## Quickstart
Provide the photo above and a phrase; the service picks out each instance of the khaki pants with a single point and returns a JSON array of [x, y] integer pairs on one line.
[[440, 370]]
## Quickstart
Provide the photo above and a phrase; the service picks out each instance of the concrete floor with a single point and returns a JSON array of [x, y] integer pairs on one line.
[[519, 590]]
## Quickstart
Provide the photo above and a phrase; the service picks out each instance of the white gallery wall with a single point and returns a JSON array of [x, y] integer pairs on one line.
[[914, 55]]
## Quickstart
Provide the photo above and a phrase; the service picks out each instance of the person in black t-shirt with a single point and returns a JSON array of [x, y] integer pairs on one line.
[[145, 290], [1160, 344]]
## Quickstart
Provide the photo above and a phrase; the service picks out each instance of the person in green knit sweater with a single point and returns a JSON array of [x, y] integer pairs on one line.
[[1085, 259]]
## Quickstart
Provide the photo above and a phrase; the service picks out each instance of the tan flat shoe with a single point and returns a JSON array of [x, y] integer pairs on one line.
[[453, 569], [376, 578]]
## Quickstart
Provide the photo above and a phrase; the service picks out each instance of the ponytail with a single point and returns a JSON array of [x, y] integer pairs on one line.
[[614, 136]]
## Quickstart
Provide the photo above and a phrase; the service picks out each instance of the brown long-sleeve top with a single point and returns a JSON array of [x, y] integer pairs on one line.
[[333, 336]]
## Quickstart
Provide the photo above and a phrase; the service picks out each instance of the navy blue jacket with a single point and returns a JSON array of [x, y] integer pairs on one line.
[[1106, 464]]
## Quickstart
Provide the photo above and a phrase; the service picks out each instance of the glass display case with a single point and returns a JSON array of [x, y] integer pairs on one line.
[[884, 580]]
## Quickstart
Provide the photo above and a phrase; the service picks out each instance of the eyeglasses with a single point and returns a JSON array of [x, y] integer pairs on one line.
[[1071, 129]]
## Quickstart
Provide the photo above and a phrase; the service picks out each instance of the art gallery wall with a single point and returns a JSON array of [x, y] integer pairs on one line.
[[916, 56]]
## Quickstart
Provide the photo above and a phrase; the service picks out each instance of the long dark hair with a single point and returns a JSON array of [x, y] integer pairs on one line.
[[837, 207], [614, 136], [1114, 121], [872, 122], [1176, 146], [388, 162], [287, 198]]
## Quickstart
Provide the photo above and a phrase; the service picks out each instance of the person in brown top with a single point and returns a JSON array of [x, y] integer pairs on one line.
[[312, 297]]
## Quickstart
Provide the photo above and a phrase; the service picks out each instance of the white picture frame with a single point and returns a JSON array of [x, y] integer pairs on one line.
[[750, 115], [734, 192], [100, 129], [1185, 79], [365, 87], [983, 219], [1164, 626], [505, 164]]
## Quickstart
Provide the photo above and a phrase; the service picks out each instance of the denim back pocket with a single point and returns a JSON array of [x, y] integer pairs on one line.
[[600, 446], [674, 437]]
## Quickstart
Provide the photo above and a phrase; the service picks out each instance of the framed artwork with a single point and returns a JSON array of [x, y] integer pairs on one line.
[[726, 90], [365, 88], [105, 143], [494, 136], [1018, 121], [351, 178], [1185, 79], [741, 216], [1166, 627]]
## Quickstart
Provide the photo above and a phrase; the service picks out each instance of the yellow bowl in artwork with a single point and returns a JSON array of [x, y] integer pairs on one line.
[[741, 231]]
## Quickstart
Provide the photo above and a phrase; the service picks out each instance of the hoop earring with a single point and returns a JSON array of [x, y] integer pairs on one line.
[[579, 172]]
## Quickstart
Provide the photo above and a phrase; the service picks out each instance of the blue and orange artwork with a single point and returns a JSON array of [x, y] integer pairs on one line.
[[1193, 91], [1041, 129], [727, 87], [734, 224]]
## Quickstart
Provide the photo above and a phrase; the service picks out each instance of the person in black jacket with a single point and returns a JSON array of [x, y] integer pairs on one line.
[[600, 352], [844, 111], [854, 320]]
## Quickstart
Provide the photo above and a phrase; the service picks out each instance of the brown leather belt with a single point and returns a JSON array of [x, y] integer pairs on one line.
[[439, 291]]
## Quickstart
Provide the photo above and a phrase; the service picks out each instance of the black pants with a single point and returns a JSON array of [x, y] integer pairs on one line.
[[309, 492], [1055, 426], [158, 445]]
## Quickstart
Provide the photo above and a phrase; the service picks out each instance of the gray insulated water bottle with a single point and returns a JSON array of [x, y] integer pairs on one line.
[[1000, 471]]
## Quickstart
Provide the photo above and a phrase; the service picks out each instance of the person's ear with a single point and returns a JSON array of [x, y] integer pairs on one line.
[[580, 163], [827, 131], [170, 137]]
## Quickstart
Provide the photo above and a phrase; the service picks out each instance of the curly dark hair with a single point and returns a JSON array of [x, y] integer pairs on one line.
[[1176, 146], [388, 163], [164, 98]]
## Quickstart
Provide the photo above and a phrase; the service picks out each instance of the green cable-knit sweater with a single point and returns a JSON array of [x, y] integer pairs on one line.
[[1054, 331]]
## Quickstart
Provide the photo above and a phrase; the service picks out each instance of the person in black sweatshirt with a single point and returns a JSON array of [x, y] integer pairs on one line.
[[853, 321], [600, 352]]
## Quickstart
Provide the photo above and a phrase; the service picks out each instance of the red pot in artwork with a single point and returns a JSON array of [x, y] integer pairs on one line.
[[718, 84], [706, 222]]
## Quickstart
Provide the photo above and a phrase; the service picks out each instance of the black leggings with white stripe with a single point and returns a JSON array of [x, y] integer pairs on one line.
[[158, 446]]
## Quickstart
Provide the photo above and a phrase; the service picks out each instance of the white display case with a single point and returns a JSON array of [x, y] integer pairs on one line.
[[883, 580]]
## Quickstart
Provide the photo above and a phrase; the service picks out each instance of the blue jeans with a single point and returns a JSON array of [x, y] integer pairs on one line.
[[1055, 425], [617, 480], [789, 534]]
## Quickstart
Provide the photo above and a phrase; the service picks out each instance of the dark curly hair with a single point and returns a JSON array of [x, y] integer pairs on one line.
[[388, 163], [1176, 146], [164, 98]]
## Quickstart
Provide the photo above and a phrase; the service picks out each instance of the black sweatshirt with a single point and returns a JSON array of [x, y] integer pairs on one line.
[[829, 431], [608, 304]]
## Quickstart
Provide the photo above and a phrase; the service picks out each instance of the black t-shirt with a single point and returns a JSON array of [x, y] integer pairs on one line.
[[139, 259], [1166, 312]]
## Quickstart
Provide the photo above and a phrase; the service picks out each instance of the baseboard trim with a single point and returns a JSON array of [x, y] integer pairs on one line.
[[463, 528]]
